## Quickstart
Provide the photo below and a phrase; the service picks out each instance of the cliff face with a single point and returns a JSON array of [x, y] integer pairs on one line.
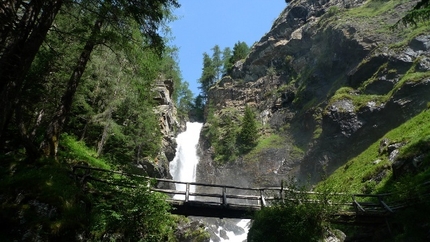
[[331, 78], [169, 127]]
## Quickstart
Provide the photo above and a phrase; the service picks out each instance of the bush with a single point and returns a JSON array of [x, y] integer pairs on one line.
[[296, 218], [286, 222]]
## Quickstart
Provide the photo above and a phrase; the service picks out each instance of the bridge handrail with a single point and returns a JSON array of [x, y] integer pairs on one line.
[[361, 206], [219, 186], [165, 180]]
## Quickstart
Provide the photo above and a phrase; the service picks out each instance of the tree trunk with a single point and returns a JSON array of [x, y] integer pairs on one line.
[[20, 43], [105, 134], [26, 138], [52, 134]]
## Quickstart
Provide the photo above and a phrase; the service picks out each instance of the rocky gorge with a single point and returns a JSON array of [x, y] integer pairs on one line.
[[338, 91], [328, 81]]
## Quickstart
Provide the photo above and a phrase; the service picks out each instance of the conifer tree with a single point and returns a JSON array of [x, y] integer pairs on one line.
[[122, 17], [208, 75], [226, 55], [248, 134], [217, 61], [240, 51]]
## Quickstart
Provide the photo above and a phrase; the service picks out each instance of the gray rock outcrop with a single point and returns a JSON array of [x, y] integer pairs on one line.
[[328, 81], [169, 126]]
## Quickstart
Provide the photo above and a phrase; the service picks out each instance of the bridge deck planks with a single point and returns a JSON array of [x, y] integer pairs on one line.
[[213, 209]]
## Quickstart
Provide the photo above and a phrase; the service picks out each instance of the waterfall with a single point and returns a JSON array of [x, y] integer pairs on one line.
[[184, 166]]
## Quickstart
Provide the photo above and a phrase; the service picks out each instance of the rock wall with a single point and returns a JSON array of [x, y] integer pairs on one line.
[[170, 126], [328, 79]]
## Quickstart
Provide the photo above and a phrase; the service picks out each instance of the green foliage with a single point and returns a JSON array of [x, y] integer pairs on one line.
[[208, 75], [182, 95], [74, 150], [114, 107], [133, 213], [198, 108], [222, 133], [248, 134], [45, 198], [265, 142], [271, 72], [227, 149], [286, 222], [226, 55], [358, 100], [289, 63], [110, 110], [214, 67], [88, 92], [420, 13], [240, 51], [229, 135], [271, 141], [184, 104], [355, 175], [217, 61], [46, 201], [372, 8], [333, 11], [293, 219]]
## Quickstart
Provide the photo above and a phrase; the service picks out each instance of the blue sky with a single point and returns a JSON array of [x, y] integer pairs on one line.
[[202, 24]]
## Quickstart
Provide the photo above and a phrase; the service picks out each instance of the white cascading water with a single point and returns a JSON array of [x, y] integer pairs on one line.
[[184, 166]]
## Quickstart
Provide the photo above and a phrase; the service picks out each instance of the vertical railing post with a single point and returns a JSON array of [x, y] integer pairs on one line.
[[281, 193], [263, 201], [187, 192], [224, 196]]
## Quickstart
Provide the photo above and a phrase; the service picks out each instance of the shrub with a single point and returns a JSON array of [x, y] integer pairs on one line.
[[296, 218]]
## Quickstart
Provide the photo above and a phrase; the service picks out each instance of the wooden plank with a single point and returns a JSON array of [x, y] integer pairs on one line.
[[168, 191], [244, 197]]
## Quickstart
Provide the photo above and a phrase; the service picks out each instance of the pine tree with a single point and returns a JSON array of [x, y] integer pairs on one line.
[[226, 55], [208, 75], [106, 28], [248, 134], [217, 61], [240, 51]]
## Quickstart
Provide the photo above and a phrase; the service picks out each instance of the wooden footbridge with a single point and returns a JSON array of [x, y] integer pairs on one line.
[[222, 201]]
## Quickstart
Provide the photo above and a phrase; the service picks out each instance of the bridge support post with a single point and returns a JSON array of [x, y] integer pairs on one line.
[[281, 192], [263, 201], [187, 192], [224, 196]]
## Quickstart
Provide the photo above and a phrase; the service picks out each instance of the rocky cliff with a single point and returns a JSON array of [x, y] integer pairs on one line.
[[330, 78], [170, 126]]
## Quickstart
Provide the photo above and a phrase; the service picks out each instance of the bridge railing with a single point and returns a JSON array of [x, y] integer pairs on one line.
[[254, 198], [212, 193], [188, 191]]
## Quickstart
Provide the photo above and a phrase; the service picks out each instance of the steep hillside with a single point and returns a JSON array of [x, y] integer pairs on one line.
[[329, 80]]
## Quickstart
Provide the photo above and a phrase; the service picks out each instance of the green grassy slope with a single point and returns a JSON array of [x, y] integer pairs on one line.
[[372, 171]]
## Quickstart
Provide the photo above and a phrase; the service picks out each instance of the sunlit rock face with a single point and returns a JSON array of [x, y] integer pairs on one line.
[[169, 127], [326, 80]]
